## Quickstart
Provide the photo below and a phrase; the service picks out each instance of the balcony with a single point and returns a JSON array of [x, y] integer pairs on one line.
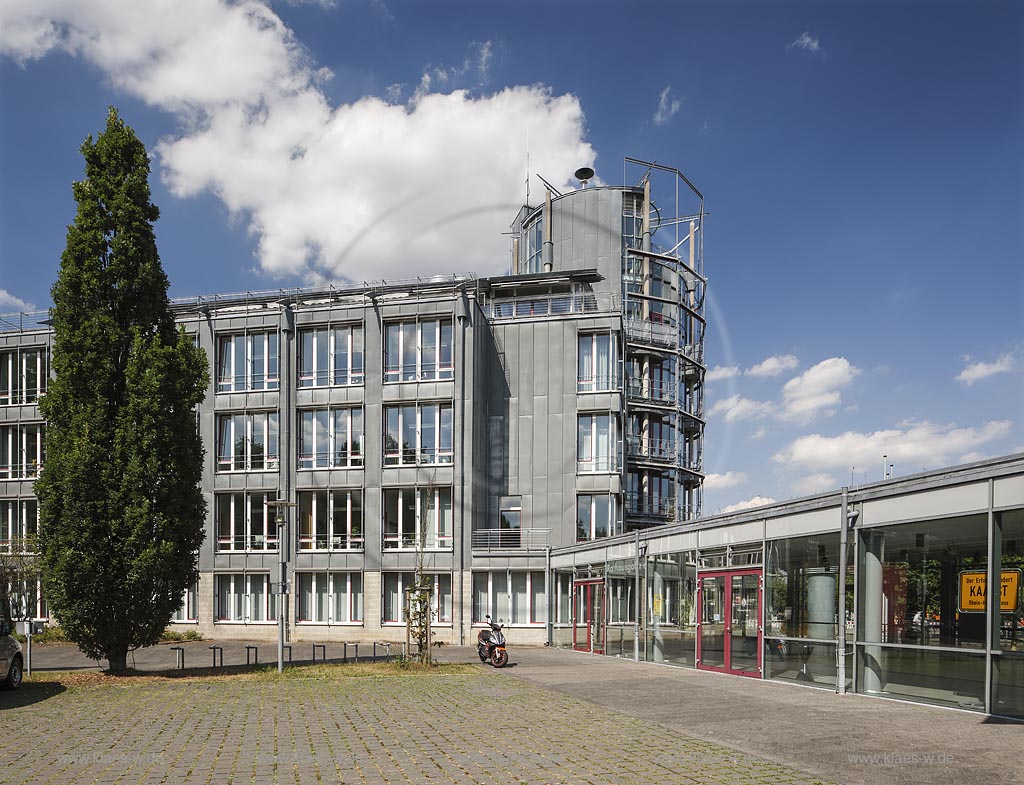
[[324, 542], [648, 333], [241, 544], [511, 539], [539, 306], [641, 506], [655, 393], [409, 541], [658, 451]]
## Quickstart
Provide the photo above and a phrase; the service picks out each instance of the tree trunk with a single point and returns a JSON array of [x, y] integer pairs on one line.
[[117, 661]]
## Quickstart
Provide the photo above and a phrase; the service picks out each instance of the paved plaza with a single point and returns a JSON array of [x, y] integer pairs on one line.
[[554, 717]]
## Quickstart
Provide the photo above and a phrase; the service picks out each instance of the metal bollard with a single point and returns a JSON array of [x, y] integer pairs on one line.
[[374, 657], [344, 652], [255, 651], [357, 652], [387, 652], [288, 646], [179, 657], [217, 650]]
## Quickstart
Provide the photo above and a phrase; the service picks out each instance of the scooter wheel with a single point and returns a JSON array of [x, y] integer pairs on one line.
[[499, 658]]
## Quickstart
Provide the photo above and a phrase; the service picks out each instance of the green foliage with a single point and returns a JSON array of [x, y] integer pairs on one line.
[[173, 636], [121, 511]]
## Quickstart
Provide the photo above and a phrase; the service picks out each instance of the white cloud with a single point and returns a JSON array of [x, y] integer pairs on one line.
[[759, 434], [817, 390], [773, 366], [717, 482], [736, 407], [8, 300], [918, 445], [807, 42], [975, 372], [668, 105], [757, 501], [814, 483], [373, 188], [720, 372], [971, 457]]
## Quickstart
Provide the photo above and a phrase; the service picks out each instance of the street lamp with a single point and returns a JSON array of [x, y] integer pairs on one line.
[[281, 588]]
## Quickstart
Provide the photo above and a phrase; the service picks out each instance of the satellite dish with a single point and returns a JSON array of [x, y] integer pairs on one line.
[[583, 174]]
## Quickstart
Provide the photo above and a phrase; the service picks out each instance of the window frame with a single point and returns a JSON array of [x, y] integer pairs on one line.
[[240, 529], [22, 450], [354, 371], [409, 366], [349, 536], [404, 538], [316, 458], [440, 453], [406, 578], [228, 379], [355, 604], [234, 463], [495, 595]]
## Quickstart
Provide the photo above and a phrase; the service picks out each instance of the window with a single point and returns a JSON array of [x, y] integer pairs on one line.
[[245, 522], [595, 517], [247, 362], [330, 520], [418, 351], [241, 597], [329, 597], [395, 585], [27, 601], [19, 524], [330, 438], [331, 356], [21, 450], [516, 597], [418, 434], [595, 443], [533, 246], [189, 610], [23, 375], [596, 364], [651, 493], [418, 518], [247, 442]]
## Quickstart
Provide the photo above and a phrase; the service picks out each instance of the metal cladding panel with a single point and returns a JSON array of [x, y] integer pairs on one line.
[[731, 535], [827, 520], [1009, 491], [935, 503], [673, 543]]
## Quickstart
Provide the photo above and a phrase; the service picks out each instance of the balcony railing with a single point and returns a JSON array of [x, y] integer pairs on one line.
[[241, 543], [640, 390], [511, 539], [651, 333], [411, 542], [597, 383], [650, 506], [543, 305], [601, 464], [655, 450], [323, 542]]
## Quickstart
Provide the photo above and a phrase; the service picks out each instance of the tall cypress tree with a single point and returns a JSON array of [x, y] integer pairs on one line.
[[121, 510]]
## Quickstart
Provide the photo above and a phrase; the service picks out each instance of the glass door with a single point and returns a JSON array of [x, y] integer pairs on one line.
[[588, 627], [729, 636]]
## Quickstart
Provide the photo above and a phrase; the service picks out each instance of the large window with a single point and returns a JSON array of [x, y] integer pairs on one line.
[[245, 522], [21, 450], [596, 443], [512, 596], [595, 517], [418, 434], [19, 524], [650, 493], [244, 597], [247, 442], [533, 245], [596, 364], [189, 610], [248, 361], [331, 356], [23, 375], [330, 520], [395, 585], [418, 350], [331, 438], [329, 597], [417, 518]]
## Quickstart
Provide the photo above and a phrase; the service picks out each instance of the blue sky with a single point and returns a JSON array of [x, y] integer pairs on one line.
[[861, 161]]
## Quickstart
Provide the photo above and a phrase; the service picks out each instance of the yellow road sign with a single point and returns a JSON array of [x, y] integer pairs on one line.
[[973, 585]]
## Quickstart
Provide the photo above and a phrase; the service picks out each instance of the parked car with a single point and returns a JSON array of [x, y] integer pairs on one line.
[[11, 659]]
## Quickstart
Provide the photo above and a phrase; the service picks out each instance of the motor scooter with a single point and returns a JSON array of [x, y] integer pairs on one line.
[[490, 644]]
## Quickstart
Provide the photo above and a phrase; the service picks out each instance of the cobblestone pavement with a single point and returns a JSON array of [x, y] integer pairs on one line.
[[481, 727]]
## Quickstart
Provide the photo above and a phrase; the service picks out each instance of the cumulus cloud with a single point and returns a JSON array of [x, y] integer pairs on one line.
[[975, 372], [757, 501], [717, 482], [807, 42], [328, 192], [668, 105], [814, 483], [720, 372], [9, 301], [774, 365], [817, 390], [922, 445], [736, 407]]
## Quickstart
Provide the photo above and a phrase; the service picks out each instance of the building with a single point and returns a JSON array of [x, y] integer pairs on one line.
[[457, 425], [878, 589]]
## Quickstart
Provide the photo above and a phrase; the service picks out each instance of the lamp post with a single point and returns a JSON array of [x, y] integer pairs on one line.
[[281, 588]]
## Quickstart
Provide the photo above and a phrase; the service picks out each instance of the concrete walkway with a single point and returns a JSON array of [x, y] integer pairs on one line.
[[848, 739]]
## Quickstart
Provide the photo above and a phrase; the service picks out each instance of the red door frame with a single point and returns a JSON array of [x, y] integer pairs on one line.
[[587, 586], [727, 614]]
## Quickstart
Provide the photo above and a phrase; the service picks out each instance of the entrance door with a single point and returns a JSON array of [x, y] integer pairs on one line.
[[588, 627], [729, 634]]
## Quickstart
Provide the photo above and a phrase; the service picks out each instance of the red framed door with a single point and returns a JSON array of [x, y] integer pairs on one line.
[[588, 627], [729, 634]]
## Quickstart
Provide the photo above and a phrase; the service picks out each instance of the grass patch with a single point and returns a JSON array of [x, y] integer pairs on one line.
[[262, 673]]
